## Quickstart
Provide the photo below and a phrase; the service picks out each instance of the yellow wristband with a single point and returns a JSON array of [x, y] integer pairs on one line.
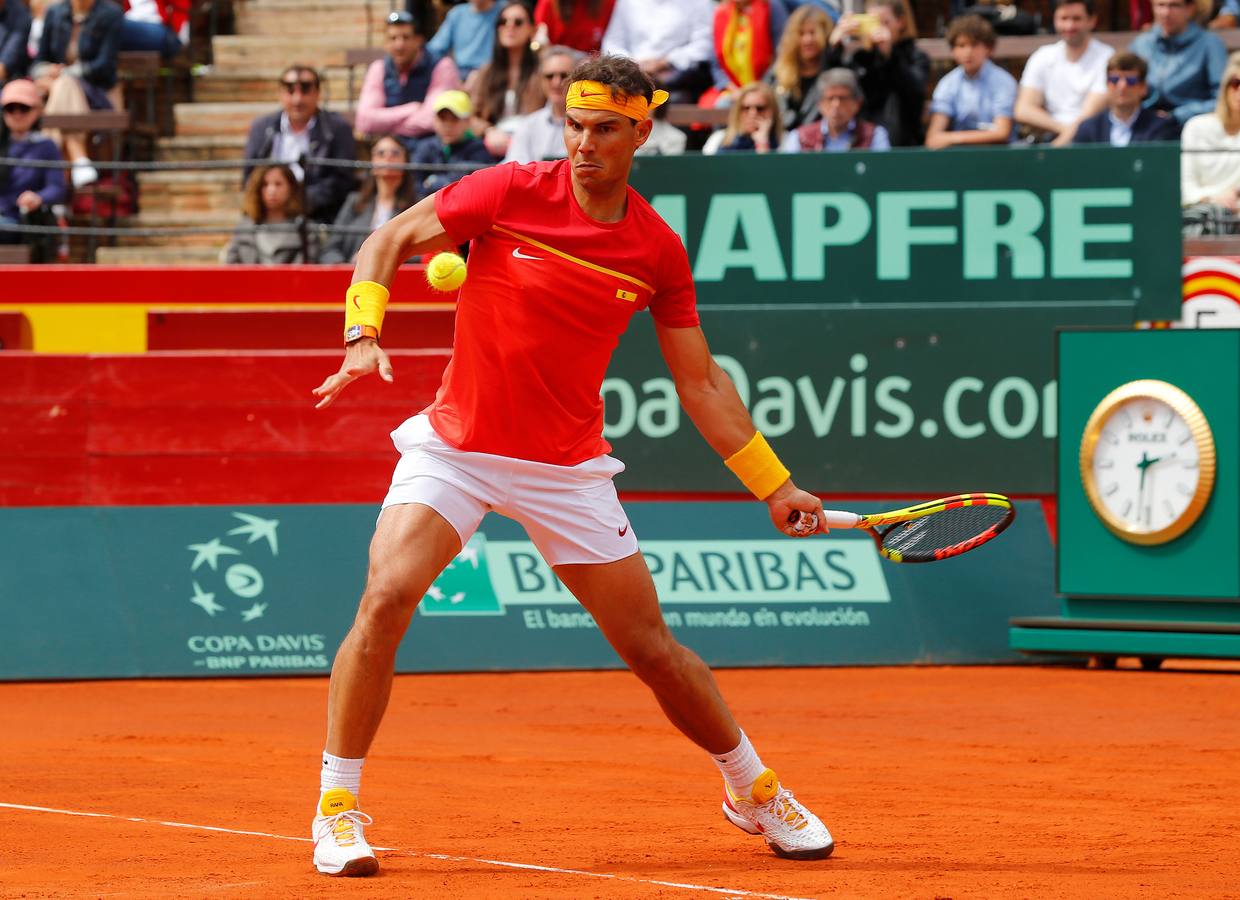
[[757, 466], [365, 304]]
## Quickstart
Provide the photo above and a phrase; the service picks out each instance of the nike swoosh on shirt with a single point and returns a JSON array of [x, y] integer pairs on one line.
[[516, 251], [623, 531]]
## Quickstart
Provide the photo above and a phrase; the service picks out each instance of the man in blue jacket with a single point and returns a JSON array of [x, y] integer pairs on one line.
[[1125, 121], [1186, 62]]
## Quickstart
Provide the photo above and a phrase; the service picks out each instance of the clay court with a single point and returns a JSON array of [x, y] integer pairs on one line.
[[936, 782]]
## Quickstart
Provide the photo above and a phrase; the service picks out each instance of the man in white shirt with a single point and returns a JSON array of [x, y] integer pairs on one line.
[[540, 135], [671, 42], [1064, 83]]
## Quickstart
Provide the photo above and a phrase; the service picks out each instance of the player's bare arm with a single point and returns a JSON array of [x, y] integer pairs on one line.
[[710, 399], [415, 231]]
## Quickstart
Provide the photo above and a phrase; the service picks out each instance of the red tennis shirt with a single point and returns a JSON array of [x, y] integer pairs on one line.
[[550, 290]]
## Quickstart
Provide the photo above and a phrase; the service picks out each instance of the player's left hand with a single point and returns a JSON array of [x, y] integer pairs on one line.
[[789, 499], [360, 358]]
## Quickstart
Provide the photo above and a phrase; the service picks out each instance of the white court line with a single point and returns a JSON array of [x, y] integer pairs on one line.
[[731, 892]]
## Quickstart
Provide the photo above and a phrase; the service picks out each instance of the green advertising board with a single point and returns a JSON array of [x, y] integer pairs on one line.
[[985, 225], [209, 591], [889, 318], [927, 400]]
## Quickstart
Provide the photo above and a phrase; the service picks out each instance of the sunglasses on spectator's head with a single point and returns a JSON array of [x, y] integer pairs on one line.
[[1130, 80], [400, 17], [17, 108], [557, 76], [304, 86], [514, 20], [754, 107], [1231, 85]]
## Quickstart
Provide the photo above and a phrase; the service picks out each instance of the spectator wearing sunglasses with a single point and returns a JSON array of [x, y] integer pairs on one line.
[[467, 34], [508, 86], [301, 129], [755, 124], [1125, 121], [24, 190], [540, 135], [399, 90], [14, 33]]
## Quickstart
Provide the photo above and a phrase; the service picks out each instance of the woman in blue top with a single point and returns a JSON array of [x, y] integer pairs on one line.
[[24, 190]]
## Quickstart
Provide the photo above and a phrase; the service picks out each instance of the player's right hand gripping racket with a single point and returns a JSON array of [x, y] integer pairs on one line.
[[934, 530]]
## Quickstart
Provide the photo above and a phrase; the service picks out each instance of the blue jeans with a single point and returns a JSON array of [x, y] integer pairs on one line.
[[149, 36]]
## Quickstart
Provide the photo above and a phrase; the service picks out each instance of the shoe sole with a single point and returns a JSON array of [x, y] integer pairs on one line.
[[355, 868], [749, 828]]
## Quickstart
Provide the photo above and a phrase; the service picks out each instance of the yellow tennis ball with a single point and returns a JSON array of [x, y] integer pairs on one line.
[[445, 271]]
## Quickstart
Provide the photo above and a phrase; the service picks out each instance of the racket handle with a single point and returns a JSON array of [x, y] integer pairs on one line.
[[837, 518]]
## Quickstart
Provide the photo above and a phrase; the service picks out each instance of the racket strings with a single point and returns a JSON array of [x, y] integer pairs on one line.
[[943, 529]]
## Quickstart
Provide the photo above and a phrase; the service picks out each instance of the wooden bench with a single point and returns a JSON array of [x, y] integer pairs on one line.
[[359, 56], [14, 255], [1021, 47], [1218, 245], [687, 114]]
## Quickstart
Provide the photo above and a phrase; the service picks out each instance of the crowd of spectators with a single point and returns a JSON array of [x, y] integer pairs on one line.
[[489, 83]]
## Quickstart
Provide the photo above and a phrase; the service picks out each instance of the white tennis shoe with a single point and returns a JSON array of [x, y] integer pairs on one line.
[[340, 846], [788, 828]]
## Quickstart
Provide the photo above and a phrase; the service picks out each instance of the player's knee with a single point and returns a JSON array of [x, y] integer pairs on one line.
[[656, 659], [384, 612]]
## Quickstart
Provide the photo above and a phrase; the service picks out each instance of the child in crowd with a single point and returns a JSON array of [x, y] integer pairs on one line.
[[974, 102], [452, 142]]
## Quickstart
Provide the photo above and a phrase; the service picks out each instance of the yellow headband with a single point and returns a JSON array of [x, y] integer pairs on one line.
[[596, 95]]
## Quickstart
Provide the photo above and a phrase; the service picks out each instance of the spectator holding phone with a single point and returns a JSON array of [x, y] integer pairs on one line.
[[880, 46]]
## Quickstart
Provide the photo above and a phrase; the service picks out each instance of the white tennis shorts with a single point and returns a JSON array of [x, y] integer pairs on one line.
[[571, 513]]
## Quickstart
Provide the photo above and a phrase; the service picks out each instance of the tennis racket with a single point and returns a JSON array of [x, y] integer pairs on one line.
[[934, 530]]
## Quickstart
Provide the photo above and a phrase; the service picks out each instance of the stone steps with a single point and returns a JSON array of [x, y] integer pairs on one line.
[[159, 256], [259, 86], [316, 17], [192, 148], [191, 193], [256, 52], [220, 119], [223, 220]]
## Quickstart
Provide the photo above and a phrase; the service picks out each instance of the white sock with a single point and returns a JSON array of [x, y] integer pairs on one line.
[[83, 173], [338, 772], [740, 766]]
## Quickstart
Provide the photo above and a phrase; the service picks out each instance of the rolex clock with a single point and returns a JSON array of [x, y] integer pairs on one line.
[[1147, 461]]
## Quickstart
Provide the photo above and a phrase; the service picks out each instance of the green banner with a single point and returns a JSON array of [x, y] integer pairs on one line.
[[209, 591], [923, 399], [1002, 224]]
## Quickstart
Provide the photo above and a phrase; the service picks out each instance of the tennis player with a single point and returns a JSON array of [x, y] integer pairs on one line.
[[562, 255]]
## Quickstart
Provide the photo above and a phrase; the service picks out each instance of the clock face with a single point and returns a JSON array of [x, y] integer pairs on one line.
[[1147, 462]]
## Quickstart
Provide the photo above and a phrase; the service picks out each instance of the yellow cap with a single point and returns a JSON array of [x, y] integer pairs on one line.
[[455, 102]]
